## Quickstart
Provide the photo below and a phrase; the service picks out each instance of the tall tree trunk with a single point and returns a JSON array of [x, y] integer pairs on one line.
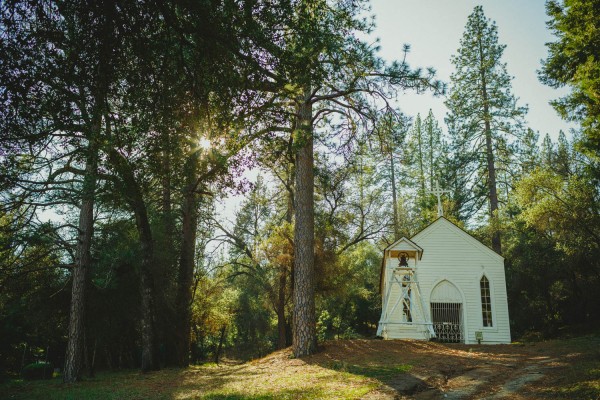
[[431, 144], [133, 194], [420, 155], [220, 345], [149, 350], [394, 198], [75, 345], [282, 334], [149, 347], [167, 256], [304, 327], [281, 328], [74, 357], [183, 300], [166, 180], [496, 240]]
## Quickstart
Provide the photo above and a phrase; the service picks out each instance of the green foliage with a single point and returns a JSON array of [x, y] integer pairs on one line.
[[573, 61], [533, 266], [426, 163], [40, 370], [113, 295], [553, 250], [349, 298], [33, 302], [174, 96], [212, 311], [483, 117], [560, 207]]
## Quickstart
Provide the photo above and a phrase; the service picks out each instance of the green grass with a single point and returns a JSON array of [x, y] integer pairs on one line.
[[381, 372], [344, 370], [205, 382], [106, 385]]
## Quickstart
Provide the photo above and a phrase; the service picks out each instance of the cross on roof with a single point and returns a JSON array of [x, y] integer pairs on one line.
[[438, 192]]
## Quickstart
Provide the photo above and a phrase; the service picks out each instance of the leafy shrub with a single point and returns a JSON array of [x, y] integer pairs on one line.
[[37, 371]]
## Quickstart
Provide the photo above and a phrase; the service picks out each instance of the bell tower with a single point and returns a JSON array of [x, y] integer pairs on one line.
[[403, 307]]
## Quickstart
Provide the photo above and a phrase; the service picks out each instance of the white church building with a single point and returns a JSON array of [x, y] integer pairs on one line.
[[443, 284]]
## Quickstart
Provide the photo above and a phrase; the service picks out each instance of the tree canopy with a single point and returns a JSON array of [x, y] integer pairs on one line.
[[128, 129]]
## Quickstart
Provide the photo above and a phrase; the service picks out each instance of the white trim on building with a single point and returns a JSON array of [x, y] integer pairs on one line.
[[443, 252]]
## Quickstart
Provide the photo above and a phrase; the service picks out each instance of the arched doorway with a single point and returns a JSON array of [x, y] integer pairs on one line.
[[447, 313]]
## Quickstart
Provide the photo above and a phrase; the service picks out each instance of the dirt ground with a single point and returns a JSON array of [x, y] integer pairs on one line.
[[568, 369], [357, 369]]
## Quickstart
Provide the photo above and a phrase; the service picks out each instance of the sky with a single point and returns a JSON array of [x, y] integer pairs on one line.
[[433, 28]]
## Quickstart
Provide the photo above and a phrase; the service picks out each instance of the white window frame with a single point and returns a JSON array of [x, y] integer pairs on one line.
[[494, 327]]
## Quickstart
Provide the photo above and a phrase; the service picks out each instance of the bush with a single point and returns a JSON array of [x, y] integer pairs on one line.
[[38, 371]]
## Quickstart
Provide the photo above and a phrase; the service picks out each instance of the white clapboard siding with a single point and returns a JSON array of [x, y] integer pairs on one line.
[[451, 255]]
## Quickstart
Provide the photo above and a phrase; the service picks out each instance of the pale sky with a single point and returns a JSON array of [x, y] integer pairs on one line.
[[434, 28]]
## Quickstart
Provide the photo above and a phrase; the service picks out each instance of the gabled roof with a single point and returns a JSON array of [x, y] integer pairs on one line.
[[464, 234], [411, 245], [404, 244]]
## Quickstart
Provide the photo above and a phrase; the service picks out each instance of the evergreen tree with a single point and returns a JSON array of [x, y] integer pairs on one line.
[[417, 154], [482, 112], [433, 146], [573, 61], [425, 161], [327, 70], [54, 95], [529, 151], [547, 152], [391, 135], [564, 156]]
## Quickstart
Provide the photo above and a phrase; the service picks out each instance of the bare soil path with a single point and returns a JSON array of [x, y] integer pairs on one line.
[[557, 369]]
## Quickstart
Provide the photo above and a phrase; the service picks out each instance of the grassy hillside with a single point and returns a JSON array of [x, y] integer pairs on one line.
[[354, 369]]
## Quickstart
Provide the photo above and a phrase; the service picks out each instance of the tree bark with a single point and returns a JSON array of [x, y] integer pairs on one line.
[[420, 155], [134, 197], [493, 194], [496, 240], [394, 197], [183, 300], [220, 346], [282, 323], [74, 357], [166, 256], [149, 356], [281, 328], [304, 328], [75, 345], [149, 350]]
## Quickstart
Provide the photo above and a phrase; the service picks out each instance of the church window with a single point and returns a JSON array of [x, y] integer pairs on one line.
[[486, 302]]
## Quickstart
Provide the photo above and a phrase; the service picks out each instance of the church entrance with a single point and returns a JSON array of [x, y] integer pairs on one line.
[[447, 322], [447, 313]]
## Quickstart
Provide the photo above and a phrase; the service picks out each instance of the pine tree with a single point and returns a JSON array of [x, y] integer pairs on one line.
[[417, 152], [328, 70], [529, 151], [547, 152], [482, 111], [425, 159], [433, 135], [391, 133], [573, 61]]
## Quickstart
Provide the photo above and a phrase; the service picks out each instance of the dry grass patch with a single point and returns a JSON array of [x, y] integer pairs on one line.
[[356, 369]]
